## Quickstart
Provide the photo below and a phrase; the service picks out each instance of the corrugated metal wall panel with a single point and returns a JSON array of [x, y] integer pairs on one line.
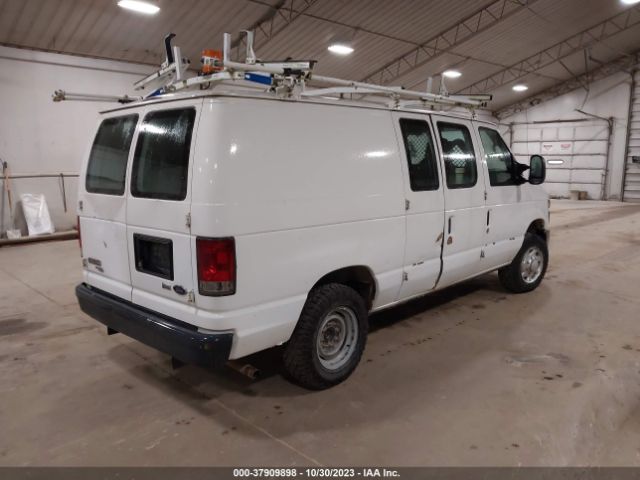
[[632, 174], [383, 33]]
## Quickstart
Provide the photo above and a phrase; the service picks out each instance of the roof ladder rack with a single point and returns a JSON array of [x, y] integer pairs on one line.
[[288, 78]]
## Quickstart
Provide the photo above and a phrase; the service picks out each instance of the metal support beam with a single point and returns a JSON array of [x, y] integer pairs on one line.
[[621, 64], [445, 41], [585, 39], [279, 17], [627, 149]]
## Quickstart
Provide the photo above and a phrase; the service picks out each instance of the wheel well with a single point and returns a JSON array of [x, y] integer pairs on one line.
[[537, 228], [360, 278]]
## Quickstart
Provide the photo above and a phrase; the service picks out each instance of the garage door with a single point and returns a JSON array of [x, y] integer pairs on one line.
[[576, 154], [632, 174]]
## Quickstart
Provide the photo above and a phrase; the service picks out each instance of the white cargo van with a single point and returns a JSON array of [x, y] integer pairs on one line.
[[215, 225]]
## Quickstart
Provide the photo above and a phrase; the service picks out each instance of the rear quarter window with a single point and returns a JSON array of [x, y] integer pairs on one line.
[[161, 161], [107, 165]]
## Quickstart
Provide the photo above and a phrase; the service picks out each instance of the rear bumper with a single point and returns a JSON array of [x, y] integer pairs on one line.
[[171, 336]]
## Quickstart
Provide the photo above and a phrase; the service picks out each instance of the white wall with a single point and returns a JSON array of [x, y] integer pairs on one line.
[[40, 136], [608, 97]]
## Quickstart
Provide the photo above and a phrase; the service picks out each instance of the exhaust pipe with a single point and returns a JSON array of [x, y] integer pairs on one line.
[[245, 369]]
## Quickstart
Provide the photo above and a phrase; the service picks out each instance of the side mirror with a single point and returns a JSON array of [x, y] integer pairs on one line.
[[537, 170]]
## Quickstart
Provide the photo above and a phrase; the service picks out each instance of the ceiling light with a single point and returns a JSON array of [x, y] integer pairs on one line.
[[139, 6], [340, 48], [520, 88], [452, 74], [630, 2]]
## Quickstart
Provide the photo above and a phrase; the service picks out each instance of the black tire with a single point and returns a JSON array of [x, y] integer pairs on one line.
[[302, 359], [511, 276]]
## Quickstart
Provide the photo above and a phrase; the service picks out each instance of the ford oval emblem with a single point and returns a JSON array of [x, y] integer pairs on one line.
[[179, 290]]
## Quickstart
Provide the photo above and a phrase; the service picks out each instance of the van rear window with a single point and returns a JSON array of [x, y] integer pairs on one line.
[[108, 159], [161, 161]]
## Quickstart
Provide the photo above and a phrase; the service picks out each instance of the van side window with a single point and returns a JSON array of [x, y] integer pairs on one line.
[[108, 158], [499, 158], [161, 161], [421, 156], [459, 157]]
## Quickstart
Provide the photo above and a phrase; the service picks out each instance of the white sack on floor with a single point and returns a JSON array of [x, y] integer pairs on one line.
[[36, 214]]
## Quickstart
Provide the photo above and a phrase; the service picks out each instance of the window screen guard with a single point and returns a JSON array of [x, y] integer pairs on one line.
[[421, 157], [459, 155]]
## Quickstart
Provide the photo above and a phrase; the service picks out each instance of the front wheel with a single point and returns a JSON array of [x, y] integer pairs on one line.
[[328, 341], [527, 270]]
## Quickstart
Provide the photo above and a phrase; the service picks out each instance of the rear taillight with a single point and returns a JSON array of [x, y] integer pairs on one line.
[[79, 234], [216, 266]]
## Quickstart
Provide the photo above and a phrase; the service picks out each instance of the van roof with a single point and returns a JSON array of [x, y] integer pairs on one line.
[[250, 92]]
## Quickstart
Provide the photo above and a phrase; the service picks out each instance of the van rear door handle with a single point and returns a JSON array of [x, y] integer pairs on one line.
[[488, 217], [449, 228]]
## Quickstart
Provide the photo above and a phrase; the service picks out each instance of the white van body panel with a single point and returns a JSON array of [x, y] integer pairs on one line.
[[305, 188], [424, 223], [167, 219], [287, 195], [464, 219], [102, 221], [510, 212]]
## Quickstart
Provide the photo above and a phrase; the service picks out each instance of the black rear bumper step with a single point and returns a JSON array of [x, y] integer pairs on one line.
[[171, 336]]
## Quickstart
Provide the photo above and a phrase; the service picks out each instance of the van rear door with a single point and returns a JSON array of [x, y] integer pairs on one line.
[[159, 210], [102, 206]]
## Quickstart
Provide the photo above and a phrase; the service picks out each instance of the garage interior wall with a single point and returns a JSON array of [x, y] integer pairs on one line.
[[578, 149], [38, 136]]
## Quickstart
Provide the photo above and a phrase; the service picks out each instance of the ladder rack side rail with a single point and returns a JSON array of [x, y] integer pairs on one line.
[[400, 92], [396, 91]]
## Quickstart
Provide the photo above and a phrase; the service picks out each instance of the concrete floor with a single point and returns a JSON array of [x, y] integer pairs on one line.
[[468, 376]]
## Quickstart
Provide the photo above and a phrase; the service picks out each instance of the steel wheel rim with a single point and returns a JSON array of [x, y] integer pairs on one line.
[[337, 338], [531, 265]]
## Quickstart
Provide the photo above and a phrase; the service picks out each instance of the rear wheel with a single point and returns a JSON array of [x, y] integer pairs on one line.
[[527, 270], [328, 341]]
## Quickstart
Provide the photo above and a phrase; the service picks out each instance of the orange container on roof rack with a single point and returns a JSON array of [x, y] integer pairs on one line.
[[211, 61]]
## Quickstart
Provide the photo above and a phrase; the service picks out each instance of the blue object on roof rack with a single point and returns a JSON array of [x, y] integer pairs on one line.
[[258, 78]]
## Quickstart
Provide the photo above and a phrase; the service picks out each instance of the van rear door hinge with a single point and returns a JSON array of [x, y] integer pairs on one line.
[[188, 220], [405, 277], [485, 195], [407, 205]]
